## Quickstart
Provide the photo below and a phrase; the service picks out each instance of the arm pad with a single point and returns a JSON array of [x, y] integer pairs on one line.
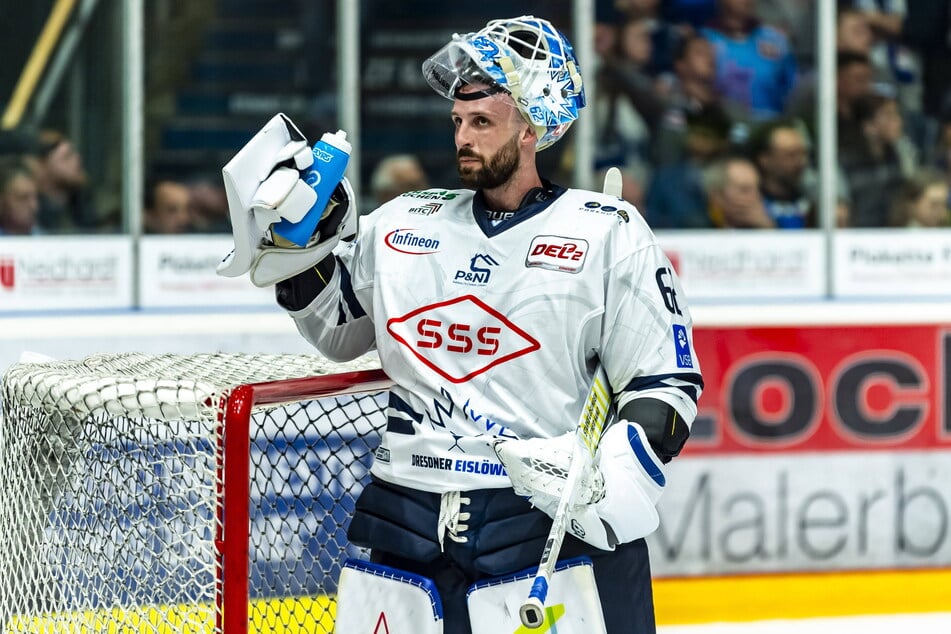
[[297, 293], [665, 429]]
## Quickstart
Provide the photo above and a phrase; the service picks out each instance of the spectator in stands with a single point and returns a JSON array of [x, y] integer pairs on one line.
[[780, 150], [395, 175], [676, 198], [853, 31], [853, 82], [797, 20], [664, 35], [898, 65], [873, 168], [940, 155], [208, 206], [925, 28], [626, 101], [854, 77], [19, 199], [693, 13], [65, 202], [607, 19], [20, 143], [166, 207], [692, 91], [755, 64], [733, 190], [921, 201]]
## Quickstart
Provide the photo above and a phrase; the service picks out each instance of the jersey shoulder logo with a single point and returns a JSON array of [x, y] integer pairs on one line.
[[682, 347], [460, 338], [557, 253]]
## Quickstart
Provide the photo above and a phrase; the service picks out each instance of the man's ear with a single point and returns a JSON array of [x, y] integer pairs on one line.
[[528, 135]]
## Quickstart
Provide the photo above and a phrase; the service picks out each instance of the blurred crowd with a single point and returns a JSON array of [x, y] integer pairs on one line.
[[707, 106], [45, 190], [709, 109]]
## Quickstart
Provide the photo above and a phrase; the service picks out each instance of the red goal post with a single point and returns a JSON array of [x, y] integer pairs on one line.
[[170, 493]]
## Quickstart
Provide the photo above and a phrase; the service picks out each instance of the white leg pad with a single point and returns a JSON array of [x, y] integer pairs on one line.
[[572, 607], [375, 598]]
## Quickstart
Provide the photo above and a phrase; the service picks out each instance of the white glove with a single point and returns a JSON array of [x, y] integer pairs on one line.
[[538, 467], [264, 185], [615, 502]]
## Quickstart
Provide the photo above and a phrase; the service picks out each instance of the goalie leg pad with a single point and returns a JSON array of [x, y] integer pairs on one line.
[[376, 598], [397, 520], [573, 605]]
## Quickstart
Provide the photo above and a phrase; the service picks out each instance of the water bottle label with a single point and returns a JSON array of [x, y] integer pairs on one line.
[[323, 155], [312, 178]]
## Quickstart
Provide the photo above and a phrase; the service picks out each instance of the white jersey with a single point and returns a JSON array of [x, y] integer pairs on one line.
[[492, 330]]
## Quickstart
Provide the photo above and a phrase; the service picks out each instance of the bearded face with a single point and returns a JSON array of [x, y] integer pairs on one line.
[[492, 172]]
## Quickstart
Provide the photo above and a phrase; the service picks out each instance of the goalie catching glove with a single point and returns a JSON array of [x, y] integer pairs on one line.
[[617, 497], [265, 186]]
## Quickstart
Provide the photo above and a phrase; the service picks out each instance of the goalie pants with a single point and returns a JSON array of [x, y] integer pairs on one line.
[[504, 534]]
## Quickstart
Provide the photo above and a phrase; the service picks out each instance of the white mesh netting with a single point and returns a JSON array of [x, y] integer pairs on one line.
[[110, 492]]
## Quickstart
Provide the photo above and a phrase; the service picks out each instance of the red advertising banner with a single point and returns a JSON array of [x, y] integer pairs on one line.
[[817, 389]]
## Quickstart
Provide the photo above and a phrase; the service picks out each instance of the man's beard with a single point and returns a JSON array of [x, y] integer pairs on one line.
[[496, 172]]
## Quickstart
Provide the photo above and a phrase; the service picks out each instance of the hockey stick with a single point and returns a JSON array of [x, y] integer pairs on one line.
[[591, 425]]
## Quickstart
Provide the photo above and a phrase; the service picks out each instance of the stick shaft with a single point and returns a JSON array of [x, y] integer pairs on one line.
[[590, 427]]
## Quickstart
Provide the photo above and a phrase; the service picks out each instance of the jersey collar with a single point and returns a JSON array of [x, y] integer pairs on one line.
[[537, 200]]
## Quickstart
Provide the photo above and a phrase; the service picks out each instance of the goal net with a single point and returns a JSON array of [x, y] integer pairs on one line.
[[172, 493]]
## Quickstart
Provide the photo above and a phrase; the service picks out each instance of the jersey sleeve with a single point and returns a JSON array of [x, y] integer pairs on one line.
[[338, 321], [647, 343]]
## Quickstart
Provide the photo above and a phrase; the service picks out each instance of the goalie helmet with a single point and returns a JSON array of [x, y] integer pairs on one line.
[[525, 57]]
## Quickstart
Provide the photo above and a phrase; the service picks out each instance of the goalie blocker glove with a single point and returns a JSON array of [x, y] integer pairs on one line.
[[617, 500], [265, 185]]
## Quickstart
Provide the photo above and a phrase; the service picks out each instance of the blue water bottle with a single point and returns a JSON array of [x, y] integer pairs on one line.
[[331, 155]]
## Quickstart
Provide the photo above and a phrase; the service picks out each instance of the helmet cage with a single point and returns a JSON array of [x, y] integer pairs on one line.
[[525, 57]]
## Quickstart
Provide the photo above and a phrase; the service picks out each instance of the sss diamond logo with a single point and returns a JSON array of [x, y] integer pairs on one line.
[[682, 347], [460, 338]]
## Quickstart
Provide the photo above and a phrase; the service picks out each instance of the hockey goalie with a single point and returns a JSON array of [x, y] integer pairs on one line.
[[481, 450]]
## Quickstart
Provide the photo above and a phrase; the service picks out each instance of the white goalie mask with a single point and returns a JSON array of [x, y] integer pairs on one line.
[[525, 57]]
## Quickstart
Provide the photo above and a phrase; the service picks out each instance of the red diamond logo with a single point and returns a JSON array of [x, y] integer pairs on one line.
[[461, 338]]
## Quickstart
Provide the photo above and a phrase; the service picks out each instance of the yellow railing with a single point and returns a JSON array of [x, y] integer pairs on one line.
[[35, 65]]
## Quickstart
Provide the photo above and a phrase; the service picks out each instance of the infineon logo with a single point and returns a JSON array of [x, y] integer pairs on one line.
[[557, 253], [405, 241]]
